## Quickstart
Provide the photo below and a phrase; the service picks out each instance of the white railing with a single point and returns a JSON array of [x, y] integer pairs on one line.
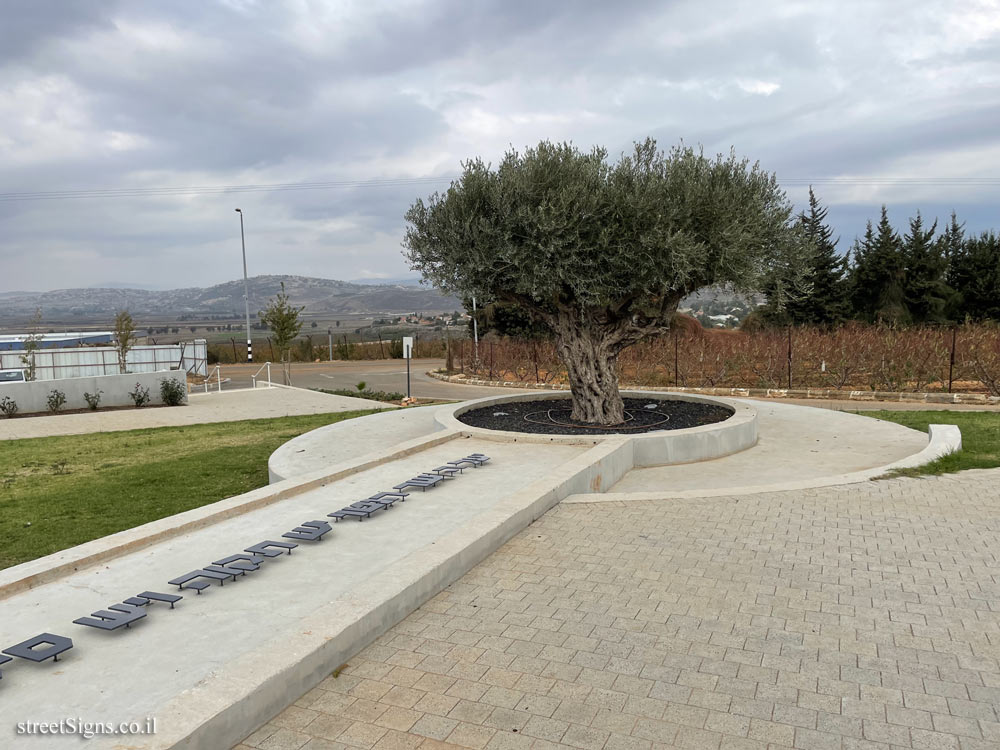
[[217, 372], [267, 366]]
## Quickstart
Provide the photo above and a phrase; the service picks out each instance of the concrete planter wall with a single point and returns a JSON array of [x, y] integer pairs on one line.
[[732, 435], [32, 397]]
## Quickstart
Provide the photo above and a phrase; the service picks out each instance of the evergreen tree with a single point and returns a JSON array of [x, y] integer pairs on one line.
[[974, 272], [926, 294], [951, 240], [826, 303], [878, 275], [822, 285]]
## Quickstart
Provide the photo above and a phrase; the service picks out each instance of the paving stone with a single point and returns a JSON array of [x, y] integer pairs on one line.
[[860, 617], [471, 736]]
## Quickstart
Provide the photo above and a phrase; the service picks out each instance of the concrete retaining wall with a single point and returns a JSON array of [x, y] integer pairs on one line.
[[31, 397], [659, 448]]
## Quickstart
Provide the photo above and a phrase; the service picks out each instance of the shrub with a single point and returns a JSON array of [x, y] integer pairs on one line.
[[361, 386], [56, 400], [172, 391], [93, 399], [8, 406], [139, 395]]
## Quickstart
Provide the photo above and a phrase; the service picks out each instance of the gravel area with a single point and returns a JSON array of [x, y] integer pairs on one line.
[[552, 417]]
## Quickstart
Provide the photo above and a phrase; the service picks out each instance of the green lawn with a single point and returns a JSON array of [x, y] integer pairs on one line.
[[60, 491], [980, 438]]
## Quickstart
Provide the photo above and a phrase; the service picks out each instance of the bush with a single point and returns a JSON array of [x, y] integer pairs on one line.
[[139, 395], [361, 386], [56, 400], [172, 391], [8, 407], [93, 399]]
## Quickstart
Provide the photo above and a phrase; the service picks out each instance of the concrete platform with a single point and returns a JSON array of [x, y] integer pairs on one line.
[[343, 442], [795, 444]]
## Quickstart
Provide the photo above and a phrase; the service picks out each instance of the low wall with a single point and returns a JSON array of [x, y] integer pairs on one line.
[[660, 447], [31, 397]]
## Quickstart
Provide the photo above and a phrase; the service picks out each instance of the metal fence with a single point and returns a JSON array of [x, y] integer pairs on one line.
[[89, 361]]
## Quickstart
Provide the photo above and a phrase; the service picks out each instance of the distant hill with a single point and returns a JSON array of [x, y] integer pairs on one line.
[[409, 281], [319, 296]]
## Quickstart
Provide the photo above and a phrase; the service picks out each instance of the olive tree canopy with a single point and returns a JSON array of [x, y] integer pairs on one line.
[[602, 253]]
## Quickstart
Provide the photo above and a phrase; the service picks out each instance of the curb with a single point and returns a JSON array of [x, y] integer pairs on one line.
[[803, 393]]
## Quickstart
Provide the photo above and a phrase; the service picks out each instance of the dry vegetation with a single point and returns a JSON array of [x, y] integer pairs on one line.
[[853, 357]]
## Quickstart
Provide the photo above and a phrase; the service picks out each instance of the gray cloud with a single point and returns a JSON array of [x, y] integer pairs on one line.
[[147, 95]]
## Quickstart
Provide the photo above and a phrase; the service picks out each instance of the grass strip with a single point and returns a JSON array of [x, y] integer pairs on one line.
[[57, 492], [980, 439]]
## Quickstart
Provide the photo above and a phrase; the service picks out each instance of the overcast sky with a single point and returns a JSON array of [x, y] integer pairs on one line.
[[98, 95]]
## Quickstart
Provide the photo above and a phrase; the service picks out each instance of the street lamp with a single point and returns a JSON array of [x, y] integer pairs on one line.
[[246, 288]]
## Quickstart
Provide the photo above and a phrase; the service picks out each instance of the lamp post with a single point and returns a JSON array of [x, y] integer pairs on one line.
[[246, 288]]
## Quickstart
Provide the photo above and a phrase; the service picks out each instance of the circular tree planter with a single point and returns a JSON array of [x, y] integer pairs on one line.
[[651, 448]]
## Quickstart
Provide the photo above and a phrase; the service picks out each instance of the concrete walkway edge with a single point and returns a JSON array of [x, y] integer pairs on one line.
[[942, 440]]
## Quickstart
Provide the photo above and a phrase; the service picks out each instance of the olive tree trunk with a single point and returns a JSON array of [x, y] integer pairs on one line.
[[591, 359]]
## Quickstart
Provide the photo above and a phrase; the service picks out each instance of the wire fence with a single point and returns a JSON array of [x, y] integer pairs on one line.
[[963, 358]]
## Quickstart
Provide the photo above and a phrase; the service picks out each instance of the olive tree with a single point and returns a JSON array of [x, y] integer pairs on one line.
[[600, 252]]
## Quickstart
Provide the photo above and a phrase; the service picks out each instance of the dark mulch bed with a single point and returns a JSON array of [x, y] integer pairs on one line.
[[668, 415]]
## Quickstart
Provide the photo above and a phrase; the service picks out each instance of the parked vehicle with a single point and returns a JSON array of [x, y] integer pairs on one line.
[[12, 376]]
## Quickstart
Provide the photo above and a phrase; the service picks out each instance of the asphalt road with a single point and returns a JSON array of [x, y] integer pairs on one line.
[[379, 375], [390, 375]]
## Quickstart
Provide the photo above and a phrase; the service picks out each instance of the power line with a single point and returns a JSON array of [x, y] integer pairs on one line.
[[217, 189], [891, 180], [164, 191]]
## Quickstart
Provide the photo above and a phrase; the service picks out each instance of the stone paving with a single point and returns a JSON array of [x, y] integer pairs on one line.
[[860, 617]]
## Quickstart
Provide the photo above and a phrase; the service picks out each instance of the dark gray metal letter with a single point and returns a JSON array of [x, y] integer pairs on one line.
[[310, 531], [122, 614], [261, 548], [24, 649]]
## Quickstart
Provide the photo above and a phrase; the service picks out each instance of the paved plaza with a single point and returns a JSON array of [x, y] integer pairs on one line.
[[862, 617]]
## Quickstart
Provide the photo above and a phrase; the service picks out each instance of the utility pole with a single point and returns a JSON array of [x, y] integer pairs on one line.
[[329, 338], [246, 288]]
